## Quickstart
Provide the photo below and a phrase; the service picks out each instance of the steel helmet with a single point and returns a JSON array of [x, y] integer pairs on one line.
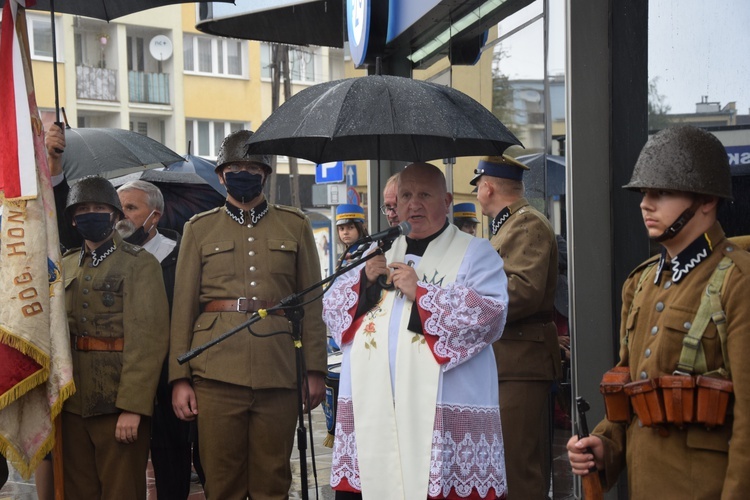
[[683, 158], [234, 149], [92, 189]]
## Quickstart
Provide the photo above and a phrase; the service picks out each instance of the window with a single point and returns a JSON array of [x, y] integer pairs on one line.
[[301, 63], [215, 56], [205, 137], [40, 37]]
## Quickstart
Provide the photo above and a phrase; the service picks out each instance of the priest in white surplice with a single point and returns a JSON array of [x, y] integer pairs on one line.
[[417, 413]]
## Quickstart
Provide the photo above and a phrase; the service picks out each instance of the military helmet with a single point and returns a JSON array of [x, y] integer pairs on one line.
[[683, 158], [234, 148], [92, 189]]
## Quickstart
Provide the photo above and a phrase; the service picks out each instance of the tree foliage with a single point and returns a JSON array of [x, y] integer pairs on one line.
[[658, 109]]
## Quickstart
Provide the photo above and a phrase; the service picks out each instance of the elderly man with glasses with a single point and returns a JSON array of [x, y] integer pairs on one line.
[[390, 193]]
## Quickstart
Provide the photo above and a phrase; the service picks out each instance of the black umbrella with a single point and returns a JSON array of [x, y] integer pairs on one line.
[[381, 117], [185, 194], [112, 152], [541, 165], [201, 166]]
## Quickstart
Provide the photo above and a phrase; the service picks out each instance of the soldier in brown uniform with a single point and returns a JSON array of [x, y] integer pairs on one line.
[[528, 355], [683, 174], [119, 327], [234, 260]]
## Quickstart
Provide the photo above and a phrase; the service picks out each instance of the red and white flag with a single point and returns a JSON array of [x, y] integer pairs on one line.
[[36, 372]]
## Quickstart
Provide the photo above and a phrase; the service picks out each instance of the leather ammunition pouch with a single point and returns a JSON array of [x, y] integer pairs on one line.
[[678, 397], [616, 402], [646, 401], [712, 395]]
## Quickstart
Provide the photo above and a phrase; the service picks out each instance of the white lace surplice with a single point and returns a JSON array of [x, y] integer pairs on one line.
[[461, 321]]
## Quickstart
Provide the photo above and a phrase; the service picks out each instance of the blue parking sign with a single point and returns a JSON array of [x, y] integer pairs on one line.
[[329, 172]]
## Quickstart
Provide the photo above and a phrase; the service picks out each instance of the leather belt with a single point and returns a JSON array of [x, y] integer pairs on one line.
[[79, 343], [242, 305]]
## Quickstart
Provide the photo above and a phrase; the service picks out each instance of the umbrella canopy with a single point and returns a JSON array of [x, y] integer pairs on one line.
[[381, 117], [112, 152], [104, 9], [538, 164], [185, 194], [204, 168]]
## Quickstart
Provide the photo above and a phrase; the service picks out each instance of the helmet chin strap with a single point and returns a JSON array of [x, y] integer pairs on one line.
[[679, 223]]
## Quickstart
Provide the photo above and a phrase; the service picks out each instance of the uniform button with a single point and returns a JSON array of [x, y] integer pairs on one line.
[[659, 306], [647, 353], [84, 334], [85, 291], [83, 319], [87, 278], [251, 253], [252, 268], [730, 249], [216, 249], [687, 325], [255, 298], [253, 283], [644, 375], [654, 330], [250, 225], [667, 284], [106, 286], [283, 247], [85, 305], [251, 239]]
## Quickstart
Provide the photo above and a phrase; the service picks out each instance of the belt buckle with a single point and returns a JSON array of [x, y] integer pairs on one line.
[[239, 304]]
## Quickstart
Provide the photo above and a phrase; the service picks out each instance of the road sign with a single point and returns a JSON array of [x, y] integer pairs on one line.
[[352, 196], [329, 172], [351, 176], [330, 194]]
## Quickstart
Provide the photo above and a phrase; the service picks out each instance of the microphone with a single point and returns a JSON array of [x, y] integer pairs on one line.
[[389, 234]]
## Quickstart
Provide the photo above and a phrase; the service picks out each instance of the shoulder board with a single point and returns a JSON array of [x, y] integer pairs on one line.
[[742, 242], [130, 248], [296, 211], [208, 212], [738, 255], [643, 265]]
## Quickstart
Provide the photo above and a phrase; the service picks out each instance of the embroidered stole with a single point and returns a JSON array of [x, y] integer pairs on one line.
[[394, 433]]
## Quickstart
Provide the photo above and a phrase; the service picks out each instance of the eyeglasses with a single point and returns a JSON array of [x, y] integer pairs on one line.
[[384, 209]]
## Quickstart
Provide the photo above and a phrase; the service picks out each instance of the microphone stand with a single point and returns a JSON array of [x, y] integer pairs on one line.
[[293, 310]]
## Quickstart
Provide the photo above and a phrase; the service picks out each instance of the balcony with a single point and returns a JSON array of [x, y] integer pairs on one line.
[[150, 88], [96, 83]]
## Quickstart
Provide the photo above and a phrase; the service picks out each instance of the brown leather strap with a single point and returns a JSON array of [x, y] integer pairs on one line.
[[242, 305], [79, 343]]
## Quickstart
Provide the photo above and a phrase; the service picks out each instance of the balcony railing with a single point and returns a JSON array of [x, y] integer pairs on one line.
[[151, 88], [96, 83]]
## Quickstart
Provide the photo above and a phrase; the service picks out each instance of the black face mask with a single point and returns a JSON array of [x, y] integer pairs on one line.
[[94, 226], [140, 235], [243, 186]]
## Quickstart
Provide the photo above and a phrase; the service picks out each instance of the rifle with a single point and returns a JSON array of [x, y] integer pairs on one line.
[[592, 487]]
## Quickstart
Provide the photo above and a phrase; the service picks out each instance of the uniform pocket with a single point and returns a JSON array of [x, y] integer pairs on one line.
[[282, 256], [108, 294], [218, 259], [677, 324]]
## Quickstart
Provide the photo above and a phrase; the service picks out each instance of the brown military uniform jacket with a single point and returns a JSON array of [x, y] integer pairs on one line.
[[690, 463], [122, 297], [528, 349], [221, 259]]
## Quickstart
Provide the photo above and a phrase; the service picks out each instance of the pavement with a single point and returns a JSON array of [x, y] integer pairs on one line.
[[561, 489]]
